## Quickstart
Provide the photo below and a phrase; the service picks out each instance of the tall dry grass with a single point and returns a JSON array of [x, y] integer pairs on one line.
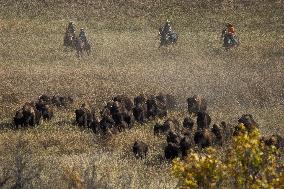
[[125, 59]]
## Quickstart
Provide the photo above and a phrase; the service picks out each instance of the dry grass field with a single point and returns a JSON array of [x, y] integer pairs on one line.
[[125, 59]]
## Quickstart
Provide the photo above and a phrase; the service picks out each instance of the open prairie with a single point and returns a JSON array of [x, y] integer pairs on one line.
[[125, 59]]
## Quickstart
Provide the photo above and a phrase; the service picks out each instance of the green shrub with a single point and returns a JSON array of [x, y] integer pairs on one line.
[[247, 164]]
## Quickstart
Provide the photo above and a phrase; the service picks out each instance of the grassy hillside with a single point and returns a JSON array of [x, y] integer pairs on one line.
[[125, 59]]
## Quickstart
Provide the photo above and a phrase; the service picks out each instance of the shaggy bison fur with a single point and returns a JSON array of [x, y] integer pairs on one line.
[[203, 120], [84, 117], [217, 131], [203, 138], [139, 113], [188, 123], [275, 140], [140, 149], [186, 144], [172, 151], [56, 100], [196, 104], [28, 115], [248, 122], [169, 125]]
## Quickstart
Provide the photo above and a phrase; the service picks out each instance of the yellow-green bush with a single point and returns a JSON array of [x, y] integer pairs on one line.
[[247, 164], [200, 170]]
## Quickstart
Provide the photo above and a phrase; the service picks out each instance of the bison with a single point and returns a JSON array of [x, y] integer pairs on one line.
[[84, 117], [28, 115], [125, 101], [169, 125], [275, 140], [45, 110], [172, 151], [248, 122], [196, 104], [139, 113], [173, 137], [203, 120], [140, 149], [186, 144], [188, 123], [140, 100], [203, 138], [217, 131]]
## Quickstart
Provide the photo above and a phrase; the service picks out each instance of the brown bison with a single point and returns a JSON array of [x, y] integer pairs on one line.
[[248, 122], [125, 101], [172, 151], [188, 123], [140, 149], [178, 145], [169, 125], [186, 144], [84, 117], [95, 125], [56, 100], [140, 100], [120, 114], [107, 123], [62, 101], [203, 120], [173, 137], [203, 138], [196, 104], [227, 130], [45, 110], [160, 129], [217, 131], [28, 115], [156, 107], [139, 113], [275, 140]]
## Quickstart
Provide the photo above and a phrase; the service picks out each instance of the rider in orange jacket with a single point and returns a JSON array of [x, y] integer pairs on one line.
[[231, 32], [230, 29]]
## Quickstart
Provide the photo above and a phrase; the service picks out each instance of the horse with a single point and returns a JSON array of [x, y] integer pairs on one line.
[[230, 41], [68, 40], [167, 38], [81, 46]]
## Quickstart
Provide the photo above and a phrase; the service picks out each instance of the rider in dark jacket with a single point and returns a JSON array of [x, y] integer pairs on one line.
[[71, 28], [82, 35], [167, 28]]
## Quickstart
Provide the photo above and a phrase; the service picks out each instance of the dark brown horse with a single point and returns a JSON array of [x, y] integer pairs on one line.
[[82, 46], [69, 40]]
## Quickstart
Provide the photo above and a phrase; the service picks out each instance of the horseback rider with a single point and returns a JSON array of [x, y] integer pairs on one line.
[[167, 29], [167, 36], [71, 28], [82, 35], [229, 33]]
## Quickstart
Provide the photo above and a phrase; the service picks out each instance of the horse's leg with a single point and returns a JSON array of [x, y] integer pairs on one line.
[[78, 54], [88, 49]]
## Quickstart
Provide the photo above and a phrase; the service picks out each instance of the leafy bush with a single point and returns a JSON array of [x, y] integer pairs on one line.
[[247, 164], [200, 170]]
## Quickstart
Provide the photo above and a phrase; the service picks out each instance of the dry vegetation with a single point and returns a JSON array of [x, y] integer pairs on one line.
[[125, 59]]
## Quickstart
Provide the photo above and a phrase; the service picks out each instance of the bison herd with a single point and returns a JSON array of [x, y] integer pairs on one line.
[[32, 113], [121, 112]]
